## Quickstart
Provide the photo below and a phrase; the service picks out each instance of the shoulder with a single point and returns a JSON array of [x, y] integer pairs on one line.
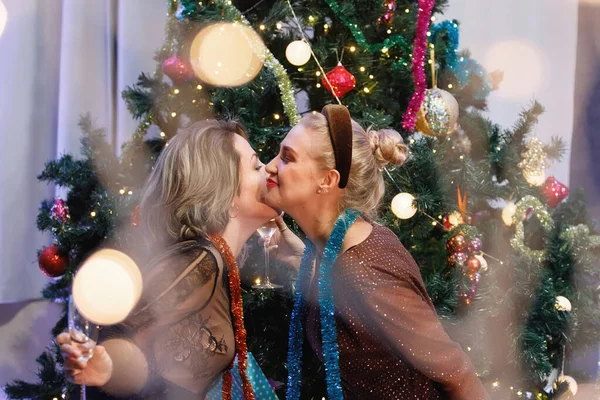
[[379, 259], [383, 251]]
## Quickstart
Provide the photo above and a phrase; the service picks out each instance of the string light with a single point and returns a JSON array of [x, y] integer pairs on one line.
[[318, 85], [122, 191], [318, 73], [278, 25], [370, 76], [93, 214], [130, 193], [276, 116], [352, 49], [389, 31], [407, 11], [199, 87], [450, 86], [428, 34], [257, 281], [433, 18], [384, 50], [311, 18], [326, 26], [262, 27], [366, 90], [176, 91], [173, 114], [362, 69], [162, 134]]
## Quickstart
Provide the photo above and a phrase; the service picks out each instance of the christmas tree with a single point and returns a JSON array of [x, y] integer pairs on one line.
[[497, 241]]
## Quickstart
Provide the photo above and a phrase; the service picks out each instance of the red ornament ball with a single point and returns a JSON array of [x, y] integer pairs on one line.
[[178, 70], [446, 221], [456, 243], [341, 81], [554, 191], [53, 262]]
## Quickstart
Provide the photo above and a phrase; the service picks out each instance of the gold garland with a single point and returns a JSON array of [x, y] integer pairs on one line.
[[542, 214]]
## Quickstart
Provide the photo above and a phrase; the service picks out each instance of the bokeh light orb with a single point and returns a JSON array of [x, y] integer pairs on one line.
[[107, 287], [227, 54]]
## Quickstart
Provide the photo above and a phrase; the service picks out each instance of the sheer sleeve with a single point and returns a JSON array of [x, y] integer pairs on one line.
[[402, 317], [167, 324]]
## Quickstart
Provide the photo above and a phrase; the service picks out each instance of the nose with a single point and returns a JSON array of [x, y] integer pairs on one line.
[[271, 167]]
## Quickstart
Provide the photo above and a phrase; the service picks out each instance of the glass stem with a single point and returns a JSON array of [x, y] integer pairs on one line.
[[83, 395], [266, 247]]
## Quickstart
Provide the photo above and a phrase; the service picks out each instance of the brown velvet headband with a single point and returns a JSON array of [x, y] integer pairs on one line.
[[340, 132]]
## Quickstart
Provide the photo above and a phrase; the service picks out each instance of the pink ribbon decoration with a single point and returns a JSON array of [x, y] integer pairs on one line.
[[409, 119]]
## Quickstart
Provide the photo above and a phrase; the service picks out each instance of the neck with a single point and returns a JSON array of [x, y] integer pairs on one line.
[[317, 222], [237, 233]]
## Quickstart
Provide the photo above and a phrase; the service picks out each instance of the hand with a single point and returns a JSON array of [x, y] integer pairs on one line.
[[285, 245], [97, 370]]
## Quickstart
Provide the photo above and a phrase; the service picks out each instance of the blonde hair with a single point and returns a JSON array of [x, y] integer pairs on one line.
[[371, 151], [193, 183]]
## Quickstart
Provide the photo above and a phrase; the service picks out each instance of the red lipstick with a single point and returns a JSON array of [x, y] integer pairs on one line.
[[271, 183]]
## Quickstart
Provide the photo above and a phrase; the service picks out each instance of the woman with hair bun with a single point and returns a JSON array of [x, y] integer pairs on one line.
[[360, 299]]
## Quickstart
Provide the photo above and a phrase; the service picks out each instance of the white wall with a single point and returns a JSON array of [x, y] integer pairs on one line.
[[534, 42]]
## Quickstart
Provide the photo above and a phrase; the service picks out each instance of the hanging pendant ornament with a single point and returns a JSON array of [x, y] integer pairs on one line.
[[534, 162], [438, 114], [53, 262], [341, 80], [298, 52], [388, 15], [554, 191], [177, 69], [60, 211]]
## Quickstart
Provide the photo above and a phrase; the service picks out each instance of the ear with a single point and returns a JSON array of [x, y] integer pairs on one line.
[[330, 180]]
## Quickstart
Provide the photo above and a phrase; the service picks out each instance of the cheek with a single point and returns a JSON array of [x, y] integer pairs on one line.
[[295, 181]]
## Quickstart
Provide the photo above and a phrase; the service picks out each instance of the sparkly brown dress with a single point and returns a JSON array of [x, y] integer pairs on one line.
[[391, 343], [182, 323]]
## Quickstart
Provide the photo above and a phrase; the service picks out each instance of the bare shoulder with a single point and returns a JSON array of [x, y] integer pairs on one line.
[[357, 233]]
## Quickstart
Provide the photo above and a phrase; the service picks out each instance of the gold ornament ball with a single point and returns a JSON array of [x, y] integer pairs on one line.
[[227, 54], [438, 115], [402, 205], [298, 52], [535, 178], [508, 212], [562, 304]]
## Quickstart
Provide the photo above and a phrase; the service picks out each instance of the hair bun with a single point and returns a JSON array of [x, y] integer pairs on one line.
[[387, 147]]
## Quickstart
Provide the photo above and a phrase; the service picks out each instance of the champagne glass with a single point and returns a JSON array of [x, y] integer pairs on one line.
[[84, 335], [266, 232]]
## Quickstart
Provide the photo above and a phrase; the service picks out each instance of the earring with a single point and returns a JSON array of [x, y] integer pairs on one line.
[[319, 191]]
